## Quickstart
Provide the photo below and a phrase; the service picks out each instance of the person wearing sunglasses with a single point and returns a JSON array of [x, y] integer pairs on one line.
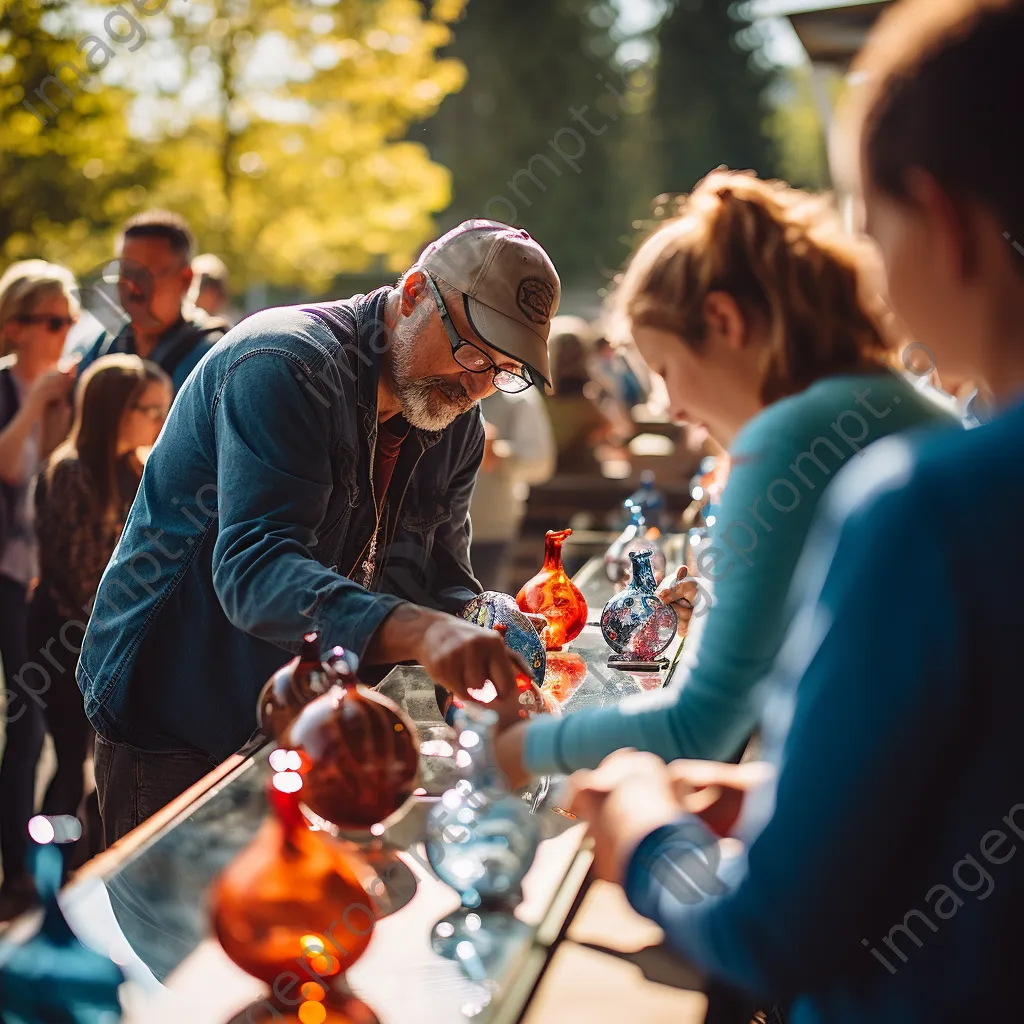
[[38, 305], [314, 474]]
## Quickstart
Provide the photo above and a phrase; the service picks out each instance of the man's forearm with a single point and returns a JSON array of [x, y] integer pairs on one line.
[[399, 637]]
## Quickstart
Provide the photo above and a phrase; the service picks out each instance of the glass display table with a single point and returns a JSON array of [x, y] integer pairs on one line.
[[143, 902]]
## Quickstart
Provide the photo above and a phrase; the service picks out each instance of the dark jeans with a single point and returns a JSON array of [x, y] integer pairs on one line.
[[24, 729], [64, 709], [134, 784]]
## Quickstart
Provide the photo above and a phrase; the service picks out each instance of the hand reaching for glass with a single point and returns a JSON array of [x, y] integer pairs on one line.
[[680, 589]]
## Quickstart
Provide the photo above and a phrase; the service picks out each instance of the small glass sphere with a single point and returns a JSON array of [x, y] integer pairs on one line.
[[293, 686], [360, 756]]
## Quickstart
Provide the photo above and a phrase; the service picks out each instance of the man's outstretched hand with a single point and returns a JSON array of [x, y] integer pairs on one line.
[[459, 655]]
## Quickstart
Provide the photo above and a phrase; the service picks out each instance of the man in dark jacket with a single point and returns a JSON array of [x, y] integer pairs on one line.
[[314, 474], [154, 255]]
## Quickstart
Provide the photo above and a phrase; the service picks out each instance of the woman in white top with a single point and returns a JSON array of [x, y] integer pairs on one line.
[[38, 305]]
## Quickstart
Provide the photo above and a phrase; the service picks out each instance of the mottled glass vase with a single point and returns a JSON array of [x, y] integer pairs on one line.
[[552, 594], [493, 610], [480, 838], [292, 896], [635, 623]]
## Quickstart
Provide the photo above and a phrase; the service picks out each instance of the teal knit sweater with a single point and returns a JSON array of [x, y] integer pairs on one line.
[[782, 462]]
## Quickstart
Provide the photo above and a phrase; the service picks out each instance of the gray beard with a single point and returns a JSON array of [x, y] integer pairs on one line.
[[428, 403]]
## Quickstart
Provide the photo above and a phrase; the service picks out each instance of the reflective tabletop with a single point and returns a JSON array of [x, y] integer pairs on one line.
[[143, 903]]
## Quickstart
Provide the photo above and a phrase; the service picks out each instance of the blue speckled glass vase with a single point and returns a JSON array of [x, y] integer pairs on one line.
[[635, 623]]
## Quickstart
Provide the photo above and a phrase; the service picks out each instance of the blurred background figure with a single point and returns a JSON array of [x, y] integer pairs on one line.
[[155, 274], [82, 499], [622, 381], [38, 305], [578, 422], [209, 290], [519, 452]]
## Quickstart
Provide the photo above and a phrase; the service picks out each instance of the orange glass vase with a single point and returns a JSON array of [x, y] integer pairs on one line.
[[552, 594], [291, 904]]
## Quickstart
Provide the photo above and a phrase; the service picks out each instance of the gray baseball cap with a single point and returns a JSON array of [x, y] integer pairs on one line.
[[509, 286]]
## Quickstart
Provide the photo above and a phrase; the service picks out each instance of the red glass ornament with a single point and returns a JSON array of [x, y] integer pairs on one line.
[[360, 755], [565, 671], [292, 687], [292, 895], [552, 594]]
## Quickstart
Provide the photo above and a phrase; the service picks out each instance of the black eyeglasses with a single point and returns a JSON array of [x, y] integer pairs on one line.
[[52, 323], [473, 358]]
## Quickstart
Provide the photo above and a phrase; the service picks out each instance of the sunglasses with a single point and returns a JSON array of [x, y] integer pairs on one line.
[[473, 358], [52, 323]]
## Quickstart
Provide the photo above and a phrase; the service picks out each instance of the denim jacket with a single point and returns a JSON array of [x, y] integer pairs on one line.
[[253, 526]]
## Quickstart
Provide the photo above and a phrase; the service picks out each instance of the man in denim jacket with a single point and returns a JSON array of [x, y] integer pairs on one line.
[[315, 473]]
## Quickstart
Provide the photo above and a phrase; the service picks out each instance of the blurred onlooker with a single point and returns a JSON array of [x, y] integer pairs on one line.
[[82, 499], [210, 287], [577, 421], [519, 451], [618, 377], [155, 275], [38, 305]]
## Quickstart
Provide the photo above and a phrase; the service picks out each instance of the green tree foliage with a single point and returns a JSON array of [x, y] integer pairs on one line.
[[299, 168], [709, 104], [797, 129], [538, 137], [278, 129], [69, 172]]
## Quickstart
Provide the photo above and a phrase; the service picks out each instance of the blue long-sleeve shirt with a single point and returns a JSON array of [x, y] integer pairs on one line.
[[782, 462], [884, 874]]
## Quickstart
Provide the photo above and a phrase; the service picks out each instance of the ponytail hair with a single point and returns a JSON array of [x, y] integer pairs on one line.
[[787, 261]]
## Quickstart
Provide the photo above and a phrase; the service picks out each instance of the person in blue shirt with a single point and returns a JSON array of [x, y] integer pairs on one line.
[[879, 873], [154, 253], [748, 305]]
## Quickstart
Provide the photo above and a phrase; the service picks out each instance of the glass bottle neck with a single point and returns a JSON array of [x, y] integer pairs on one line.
[[643, 575], [553, 552]]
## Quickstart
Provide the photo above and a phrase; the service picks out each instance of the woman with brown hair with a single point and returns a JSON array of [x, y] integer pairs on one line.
[[753, 305], [82, 500], [38, 305]]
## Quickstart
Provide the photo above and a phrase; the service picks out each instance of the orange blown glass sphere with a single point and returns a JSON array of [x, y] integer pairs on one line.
[[360, 756], [552, 594], [291, 897], [294, 685]]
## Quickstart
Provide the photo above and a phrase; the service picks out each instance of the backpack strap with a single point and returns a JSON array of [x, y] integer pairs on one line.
[[190, 335]]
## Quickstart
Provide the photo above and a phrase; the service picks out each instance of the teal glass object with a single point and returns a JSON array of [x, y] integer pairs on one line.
[[480, 837], [53, 977], [635, 623]]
